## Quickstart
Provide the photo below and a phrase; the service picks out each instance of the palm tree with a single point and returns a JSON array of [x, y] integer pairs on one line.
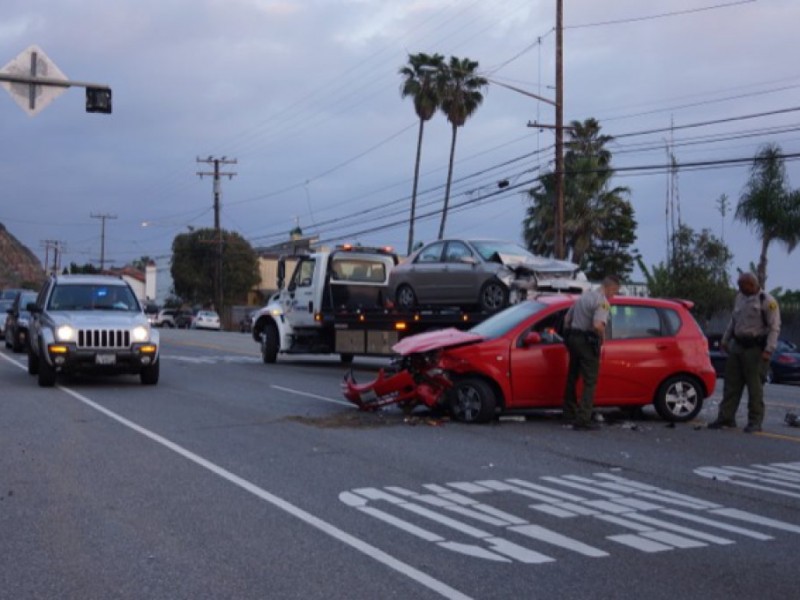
[[593, 211], [461, 97], [768, 207], [420, 82]]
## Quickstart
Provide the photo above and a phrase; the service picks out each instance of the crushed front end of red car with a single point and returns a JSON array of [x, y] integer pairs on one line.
[[419, 378]]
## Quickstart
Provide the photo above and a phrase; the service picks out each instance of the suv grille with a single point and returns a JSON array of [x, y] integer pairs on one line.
[[104, 338]]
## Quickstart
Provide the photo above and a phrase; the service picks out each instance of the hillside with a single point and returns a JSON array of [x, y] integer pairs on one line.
[[19, 267]]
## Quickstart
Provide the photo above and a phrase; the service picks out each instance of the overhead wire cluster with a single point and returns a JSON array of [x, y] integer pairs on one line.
[[372, 211]]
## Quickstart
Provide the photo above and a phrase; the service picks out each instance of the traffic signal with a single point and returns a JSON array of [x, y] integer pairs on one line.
[[98, 100]]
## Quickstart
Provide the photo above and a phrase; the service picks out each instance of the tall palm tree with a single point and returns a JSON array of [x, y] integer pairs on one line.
[[768, 207], [461, 97], [420, 82], [593, 210]]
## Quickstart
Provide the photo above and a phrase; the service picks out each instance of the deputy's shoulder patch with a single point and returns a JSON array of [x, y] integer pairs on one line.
[[773, 306]]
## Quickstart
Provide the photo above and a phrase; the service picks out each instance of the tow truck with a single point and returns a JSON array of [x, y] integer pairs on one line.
[[336, 303]]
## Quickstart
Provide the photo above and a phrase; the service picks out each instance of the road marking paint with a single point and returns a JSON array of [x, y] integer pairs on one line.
[[639, 543], [673, 539], [778, 436], [424, 534], [700, 535], [520, 553], [585, 488], [314, 396], [548, 536], [779, 478], [623, 522], [474, 551], [336, 533], [546, 490], [553, 510], [718, 524], [446, 521], [742, 515]]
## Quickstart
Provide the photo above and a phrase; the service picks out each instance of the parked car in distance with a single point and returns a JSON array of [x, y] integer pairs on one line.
[[5, 304], [654, 354], [182, 319], [165, 318], [17, 321], [206, 319], [488, 274], [784, 365], [246, 322]]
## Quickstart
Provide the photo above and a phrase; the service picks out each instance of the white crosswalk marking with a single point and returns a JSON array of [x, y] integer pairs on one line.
[[458, 516], [782, 479]]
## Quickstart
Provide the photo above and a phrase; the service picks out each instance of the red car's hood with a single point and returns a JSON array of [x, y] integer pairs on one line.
[[433, 340]]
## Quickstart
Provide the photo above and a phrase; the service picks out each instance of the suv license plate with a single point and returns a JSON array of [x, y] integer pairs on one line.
[[105, 359]]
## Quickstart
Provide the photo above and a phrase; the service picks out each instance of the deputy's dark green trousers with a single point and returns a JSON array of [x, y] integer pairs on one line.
[[584, 361], [745, 367]]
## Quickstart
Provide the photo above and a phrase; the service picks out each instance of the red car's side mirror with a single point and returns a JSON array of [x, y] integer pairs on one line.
[[532, 338]]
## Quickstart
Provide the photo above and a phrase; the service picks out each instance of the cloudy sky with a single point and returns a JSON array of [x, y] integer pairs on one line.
[[304, 94]]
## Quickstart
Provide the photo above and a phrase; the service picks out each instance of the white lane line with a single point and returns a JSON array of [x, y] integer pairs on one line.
[[314, 396], [700, 535], [365, 548], [673, 539]]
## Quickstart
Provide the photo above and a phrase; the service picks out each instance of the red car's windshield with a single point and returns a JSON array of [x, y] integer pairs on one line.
[[505, 320]]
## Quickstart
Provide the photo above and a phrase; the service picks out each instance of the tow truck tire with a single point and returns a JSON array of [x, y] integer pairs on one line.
[[149, 374], [47, 373], [493, 296], [405, 298], [33, 362], [472, 400], [269, 344]]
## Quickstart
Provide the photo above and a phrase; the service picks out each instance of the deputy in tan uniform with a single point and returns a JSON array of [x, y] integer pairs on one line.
[[585, 328], [749, 341]]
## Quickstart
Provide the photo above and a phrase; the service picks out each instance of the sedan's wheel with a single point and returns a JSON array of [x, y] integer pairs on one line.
[[149, 374], [679, 399], [47, 373], [406, 298], [269, 344], [472, 400], [493, 296]]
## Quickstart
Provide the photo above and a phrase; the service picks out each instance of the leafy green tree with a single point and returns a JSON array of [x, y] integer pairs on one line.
[[599, 222], [420, 83], [768, 207], [194, 260], [460, 97], [141, 262], [697, 271]]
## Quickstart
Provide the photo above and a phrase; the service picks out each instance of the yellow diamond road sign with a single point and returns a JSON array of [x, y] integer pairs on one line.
[[33, 62]]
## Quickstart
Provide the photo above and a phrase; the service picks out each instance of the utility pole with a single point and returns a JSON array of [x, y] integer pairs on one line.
[[102, 218], [54, 245], [217, 174], [559, 207]]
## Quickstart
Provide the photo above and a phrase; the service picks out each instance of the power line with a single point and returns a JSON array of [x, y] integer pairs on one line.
[[659, 16]]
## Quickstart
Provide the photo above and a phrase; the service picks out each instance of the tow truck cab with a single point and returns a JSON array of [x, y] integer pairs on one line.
[[301, 317]]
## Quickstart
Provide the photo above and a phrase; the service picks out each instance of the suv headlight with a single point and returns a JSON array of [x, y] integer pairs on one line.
[[65, 333], [140, 334]]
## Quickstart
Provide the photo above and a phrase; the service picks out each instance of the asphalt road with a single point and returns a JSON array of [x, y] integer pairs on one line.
[[235, 479]]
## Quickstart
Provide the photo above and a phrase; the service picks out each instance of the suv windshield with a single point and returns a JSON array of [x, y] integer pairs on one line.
[[92, 297]]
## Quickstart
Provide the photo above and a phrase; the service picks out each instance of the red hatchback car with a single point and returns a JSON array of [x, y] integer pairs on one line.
[[654, 353]]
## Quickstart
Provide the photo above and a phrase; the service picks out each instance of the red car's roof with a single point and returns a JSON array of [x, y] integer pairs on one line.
[[556, 299]]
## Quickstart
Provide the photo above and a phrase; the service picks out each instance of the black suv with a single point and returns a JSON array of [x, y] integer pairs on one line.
[[90, 323]]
